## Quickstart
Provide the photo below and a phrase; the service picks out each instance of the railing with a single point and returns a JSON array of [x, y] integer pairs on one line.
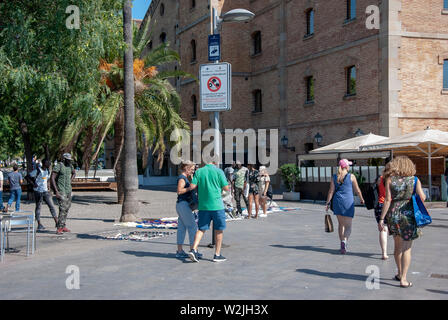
[[324, 174]]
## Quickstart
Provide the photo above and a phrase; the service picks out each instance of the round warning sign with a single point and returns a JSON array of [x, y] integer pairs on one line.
[[214, 84]]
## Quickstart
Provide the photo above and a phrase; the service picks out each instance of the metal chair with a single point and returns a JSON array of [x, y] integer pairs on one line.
[[22, 223]]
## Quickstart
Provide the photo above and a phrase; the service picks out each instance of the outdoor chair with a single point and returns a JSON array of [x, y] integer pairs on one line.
[[21, 223]]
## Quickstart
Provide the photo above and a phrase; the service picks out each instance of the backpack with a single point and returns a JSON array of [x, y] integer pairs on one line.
[[371, 198]]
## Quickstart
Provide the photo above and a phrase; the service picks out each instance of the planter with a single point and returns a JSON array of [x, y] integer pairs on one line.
[[291, 196]]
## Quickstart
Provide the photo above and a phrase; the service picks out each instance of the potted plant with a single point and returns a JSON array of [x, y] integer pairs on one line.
[[361, 180], [290, 174]]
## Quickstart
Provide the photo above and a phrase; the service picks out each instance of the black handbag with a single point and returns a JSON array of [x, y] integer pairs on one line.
[[194, 202]]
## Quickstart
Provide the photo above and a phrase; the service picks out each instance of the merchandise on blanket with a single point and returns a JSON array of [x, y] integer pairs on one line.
[[164, 223], [136, 236]]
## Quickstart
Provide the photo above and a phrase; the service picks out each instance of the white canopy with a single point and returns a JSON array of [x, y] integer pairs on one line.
[[350, 145], [348, 149], [426, 142]]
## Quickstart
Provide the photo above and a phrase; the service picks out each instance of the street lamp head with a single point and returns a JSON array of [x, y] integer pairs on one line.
[[284, 141], [237, 15], [318, 138]]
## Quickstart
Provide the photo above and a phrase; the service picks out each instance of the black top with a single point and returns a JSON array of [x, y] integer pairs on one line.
[[187, 195]]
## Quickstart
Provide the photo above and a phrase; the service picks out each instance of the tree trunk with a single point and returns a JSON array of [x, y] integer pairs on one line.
[[28, 155], [47, 151], [87, 149], [130, 209], [118, 145]]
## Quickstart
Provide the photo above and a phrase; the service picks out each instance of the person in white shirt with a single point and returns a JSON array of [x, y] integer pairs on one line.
[[1, 191], [39, 178]]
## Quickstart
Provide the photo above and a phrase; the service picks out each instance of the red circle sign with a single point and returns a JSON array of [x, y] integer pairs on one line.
[[214, 84]]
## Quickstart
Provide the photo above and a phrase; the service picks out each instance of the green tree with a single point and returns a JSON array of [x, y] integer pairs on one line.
[[48, 73]]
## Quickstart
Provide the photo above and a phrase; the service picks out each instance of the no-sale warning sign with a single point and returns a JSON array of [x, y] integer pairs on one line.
[[215, 90], [214, 84]]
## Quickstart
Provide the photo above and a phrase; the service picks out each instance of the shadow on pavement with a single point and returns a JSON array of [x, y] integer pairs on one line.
[[437, 291], [341, 275], [436, 226], [160, 255], [167, 188], [326, 250], [86, 200], [86, 219]]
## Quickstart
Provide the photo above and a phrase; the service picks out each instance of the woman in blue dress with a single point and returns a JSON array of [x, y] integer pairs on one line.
[[341, 190]]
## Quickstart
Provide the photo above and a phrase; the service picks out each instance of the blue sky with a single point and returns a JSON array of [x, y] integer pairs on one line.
[[139, 8]]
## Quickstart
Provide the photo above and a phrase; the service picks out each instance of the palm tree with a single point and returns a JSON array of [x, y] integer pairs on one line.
[[157, 107], [130, 208]]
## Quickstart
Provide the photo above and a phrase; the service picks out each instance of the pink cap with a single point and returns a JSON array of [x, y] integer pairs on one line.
[[344, 163]]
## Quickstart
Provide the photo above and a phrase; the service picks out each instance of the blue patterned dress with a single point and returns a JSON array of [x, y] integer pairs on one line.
[[400, 216]]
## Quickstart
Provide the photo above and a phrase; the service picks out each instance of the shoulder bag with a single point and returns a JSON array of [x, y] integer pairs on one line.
[[422, 217]]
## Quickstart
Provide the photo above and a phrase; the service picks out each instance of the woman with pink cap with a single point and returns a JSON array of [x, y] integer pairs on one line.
[[341, 191]]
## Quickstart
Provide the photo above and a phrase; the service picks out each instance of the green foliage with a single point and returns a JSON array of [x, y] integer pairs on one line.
[[290, 174], [48, 73], [359, 178]]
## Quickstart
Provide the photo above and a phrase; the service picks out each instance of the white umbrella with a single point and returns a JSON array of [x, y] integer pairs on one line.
[[428, 142], [350, 145]]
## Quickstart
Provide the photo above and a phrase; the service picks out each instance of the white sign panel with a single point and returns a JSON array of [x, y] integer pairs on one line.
[[216, 86]]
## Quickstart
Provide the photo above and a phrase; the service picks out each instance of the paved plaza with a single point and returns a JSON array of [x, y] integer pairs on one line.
[[284, 256]]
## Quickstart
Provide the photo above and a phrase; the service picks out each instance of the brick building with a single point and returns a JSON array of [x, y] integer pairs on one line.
[[313, 66]]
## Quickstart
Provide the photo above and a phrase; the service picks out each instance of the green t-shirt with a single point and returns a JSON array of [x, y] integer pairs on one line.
[[64, 178], [210, 181]]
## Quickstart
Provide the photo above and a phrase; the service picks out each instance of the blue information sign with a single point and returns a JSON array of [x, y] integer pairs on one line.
[[214, 47]]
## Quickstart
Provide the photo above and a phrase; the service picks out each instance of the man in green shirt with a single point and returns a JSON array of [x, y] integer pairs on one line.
[[61, 180], [210, 182]]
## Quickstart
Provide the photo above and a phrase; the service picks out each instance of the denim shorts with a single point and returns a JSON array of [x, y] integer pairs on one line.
[[218, 217]]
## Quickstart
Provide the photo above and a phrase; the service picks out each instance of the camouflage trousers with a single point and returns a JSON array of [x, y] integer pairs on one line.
[[64, 205]]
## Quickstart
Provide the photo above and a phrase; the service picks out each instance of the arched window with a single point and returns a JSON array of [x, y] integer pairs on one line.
[[150, 45], [309, 89], [162, 9], [310, 22], [351, 80], [163, 37], [193, 50], [351, 9], [256, 42], [257, 100], [194, 103]]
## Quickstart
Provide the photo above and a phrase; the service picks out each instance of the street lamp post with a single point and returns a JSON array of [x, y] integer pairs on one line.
[[236, 15]]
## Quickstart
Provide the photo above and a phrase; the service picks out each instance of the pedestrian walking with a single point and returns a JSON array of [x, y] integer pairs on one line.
[[380, 183], [61, 181], [254, 180], [341, 195], [398, 207], [240, 180], [210, 182], [2, 207], [15, 188], [186, 220], [264, 184], [39, 179]]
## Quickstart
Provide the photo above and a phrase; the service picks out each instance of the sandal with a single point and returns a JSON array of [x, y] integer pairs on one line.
[[406, 286]]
